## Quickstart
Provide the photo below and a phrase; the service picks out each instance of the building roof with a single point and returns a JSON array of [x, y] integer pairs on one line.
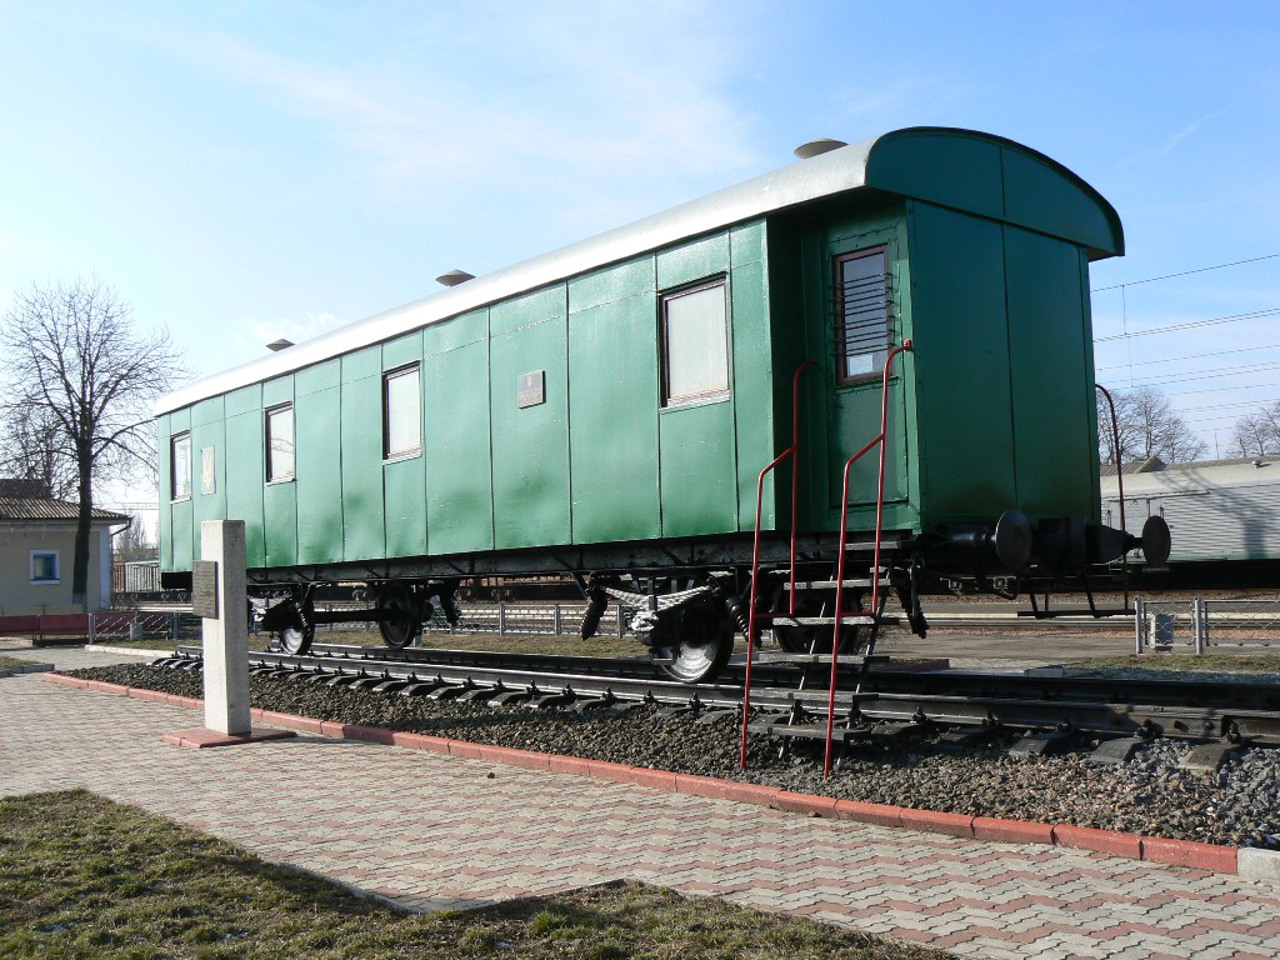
[[1156, 465], [36, 509], [966, 170]]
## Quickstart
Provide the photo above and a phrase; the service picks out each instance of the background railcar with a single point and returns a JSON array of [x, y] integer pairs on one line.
[[606, 410]]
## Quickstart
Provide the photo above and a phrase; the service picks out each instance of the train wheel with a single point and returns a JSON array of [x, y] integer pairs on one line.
[[399, 620], [699, 644], [296, 640]]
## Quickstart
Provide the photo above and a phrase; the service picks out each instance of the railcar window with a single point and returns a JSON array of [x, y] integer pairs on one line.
[[280, 443], [695, 344], [862, 313], [180, 467], [401, 413]]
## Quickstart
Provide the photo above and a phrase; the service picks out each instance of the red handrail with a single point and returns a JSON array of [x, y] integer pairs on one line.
[[755, 550], [1115, 438], [844, 536]]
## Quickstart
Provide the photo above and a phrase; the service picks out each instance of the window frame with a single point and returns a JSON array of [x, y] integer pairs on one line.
[[665, 298], [841, 355], [177, 495], [267, 463], [57, 567], [406, 453]]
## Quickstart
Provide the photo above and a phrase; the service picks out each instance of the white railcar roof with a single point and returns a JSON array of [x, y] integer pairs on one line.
[[838, 171]]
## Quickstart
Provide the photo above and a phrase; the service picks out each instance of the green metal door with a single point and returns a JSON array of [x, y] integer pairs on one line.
[[859, 318]]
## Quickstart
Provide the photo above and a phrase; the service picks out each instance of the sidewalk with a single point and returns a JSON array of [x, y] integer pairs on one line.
[[429, 831]]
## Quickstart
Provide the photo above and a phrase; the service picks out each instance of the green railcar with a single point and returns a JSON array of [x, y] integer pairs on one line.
[[605, 411]]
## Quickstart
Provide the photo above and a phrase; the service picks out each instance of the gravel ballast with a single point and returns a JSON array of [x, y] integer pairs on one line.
[[1149, 795]]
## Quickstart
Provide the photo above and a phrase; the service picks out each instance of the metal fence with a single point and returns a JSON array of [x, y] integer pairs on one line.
[[542, 619], [1203, 623], [173, 626]]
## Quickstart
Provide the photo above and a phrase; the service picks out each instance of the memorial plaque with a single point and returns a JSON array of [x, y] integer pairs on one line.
[[204, 589], [531, 389]]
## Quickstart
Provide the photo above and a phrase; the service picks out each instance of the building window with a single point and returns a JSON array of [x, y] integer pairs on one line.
[[862, 314], [695, 344], [44, 566], [401, 413], [180, 467], [280, 443]]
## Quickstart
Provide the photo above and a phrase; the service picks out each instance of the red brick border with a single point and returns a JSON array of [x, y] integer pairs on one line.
[[1184, 853]]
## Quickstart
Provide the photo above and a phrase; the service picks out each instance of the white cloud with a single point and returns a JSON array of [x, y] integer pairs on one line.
[[533, 98]]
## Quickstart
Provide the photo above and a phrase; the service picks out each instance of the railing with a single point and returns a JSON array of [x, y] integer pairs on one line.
[[754, 597], [878, 440], [1204, 623], [528, 619], [106, 626], [1119, 454]]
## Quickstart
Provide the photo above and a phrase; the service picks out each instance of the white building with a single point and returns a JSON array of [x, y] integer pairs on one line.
[[37, 551], [1216, 510]]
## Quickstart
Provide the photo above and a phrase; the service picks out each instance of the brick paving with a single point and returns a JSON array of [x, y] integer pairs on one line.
[[429, 831]]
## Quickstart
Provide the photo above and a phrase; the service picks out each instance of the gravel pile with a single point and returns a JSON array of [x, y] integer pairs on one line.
[[1148, 795]]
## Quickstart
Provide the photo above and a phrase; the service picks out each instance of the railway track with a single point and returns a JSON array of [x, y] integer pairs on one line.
[[957, 704]]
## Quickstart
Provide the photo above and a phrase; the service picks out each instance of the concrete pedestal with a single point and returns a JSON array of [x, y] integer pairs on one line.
[[226, 638]]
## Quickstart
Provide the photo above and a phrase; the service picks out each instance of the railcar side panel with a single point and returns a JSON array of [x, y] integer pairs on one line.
[[181, 511], [699, 479], [404, 480], [364, 533], [613, 403], [455, 378], [319, 462], [244, 469], [961, 361], [529, 337], [753, 371], [208, 450], [1052, 377], [280, 496], [164, 466]]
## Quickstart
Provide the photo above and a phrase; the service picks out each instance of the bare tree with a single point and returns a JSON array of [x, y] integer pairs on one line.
[[134, 543], [75, 363], [1148, 427], [1258, 433], [31, 447]]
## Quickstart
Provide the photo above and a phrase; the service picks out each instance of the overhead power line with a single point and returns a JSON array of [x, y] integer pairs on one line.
[[1195, 356], [1185, 273], [1191, 325]]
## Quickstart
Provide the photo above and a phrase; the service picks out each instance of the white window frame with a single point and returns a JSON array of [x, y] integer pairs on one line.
[[175, 494], [408, 452], [267, 464], [709, 394], [57, 567]]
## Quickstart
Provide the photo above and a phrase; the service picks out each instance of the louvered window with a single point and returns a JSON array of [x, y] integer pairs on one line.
[[862, 313]]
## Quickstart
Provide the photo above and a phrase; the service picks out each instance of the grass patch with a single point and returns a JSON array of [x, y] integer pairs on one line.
[[7, 661], [82, 877], [1215, 663]]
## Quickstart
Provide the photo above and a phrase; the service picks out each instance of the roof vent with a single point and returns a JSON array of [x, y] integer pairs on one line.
[[455, 277], [276, 346], [815, 148]]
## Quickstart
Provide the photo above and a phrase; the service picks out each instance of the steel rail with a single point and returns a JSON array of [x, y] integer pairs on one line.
[[1172, 708]]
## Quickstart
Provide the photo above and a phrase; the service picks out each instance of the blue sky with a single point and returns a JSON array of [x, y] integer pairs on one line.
[[241, 171]]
